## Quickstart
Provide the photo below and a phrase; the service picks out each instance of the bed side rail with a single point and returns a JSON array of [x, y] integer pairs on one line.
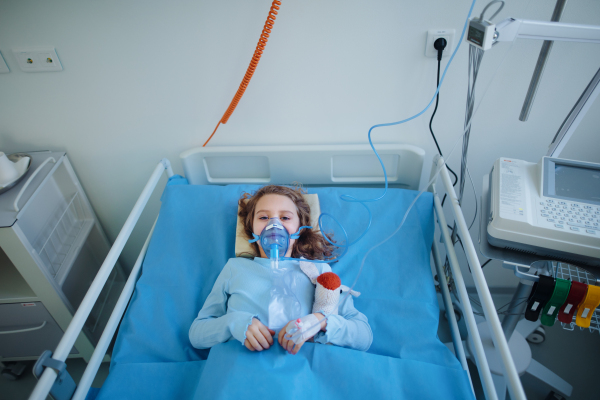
[[48, 377], [510, 373]]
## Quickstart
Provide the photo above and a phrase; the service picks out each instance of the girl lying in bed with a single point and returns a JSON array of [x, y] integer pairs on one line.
[[238, 305]]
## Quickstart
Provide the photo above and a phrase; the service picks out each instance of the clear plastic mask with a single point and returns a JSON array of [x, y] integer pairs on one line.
[[274, 239]]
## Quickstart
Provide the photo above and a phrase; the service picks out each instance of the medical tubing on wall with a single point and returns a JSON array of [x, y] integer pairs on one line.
[[433, 178], [421, 112], [260, 47], [362, 201], [499, 65], [475, 57], [353, 199]]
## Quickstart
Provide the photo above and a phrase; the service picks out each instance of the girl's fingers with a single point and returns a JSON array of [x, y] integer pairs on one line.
[[262, 340], [289, 346], [283, 342], [282, 333], [247, 344], [297, 347], [271, 331], [255, 343], [267, 334]]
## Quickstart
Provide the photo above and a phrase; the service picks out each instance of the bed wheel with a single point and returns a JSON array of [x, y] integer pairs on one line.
[[538, 336], [8, 375], [13, 371], [554, 396]]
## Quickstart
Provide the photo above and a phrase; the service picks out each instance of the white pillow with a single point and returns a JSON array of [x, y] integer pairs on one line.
[[241, 241]]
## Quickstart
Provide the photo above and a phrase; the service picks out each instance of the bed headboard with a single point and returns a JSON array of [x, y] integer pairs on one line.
[[307, 164]]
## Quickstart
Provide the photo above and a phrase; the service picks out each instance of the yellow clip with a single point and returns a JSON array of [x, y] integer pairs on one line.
[[587, 307]]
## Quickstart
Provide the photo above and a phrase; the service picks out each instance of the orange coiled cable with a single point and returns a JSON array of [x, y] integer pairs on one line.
[[260, 47]]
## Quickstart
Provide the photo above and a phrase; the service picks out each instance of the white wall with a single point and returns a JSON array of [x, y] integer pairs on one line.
[[144, 80]]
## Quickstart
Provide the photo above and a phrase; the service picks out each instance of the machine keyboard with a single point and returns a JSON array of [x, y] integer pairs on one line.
[[563, 215]]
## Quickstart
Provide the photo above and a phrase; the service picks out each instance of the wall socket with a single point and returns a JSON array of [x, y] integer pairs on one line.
[[38, 60], [433, 35]]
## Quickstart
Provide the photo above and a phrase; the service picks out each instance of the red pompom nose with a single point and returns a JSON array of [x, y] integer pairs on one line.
[[329, 280]]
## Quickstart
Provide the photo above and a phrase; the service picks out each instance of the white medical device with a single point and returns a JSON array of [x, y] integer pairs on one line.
[[550, 209]]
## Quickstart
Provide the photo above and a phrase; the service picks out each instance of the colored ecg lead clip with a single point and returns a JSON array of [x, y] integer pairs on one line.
[[586, 309], [576, 296], [559, 296], [540, 294]]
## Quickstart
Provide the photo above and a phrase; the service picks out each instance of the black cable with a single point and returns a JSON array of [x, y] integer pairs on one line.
[[437, 99], [463, 248]]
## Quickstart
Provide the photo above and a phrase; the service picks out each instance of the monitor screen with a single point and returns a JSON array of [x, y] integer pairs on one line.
[[577, 183]]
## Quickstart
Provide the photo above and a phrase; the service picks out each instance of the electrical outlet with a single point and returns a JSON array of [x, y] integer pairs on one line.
[[38, 60], [433, 35], [3, 67]]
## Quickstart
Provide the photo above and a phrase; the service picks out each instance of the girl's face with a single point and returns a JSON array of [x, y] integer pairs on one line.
[[275, 205]]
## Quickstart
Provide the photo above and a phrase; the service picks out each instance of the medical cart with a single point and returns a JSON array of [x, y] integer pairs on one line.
[[51, 247]]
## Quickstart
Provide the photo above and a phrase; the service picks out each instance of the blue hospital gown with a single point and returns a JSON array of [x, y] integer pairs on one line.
[[242, 292]]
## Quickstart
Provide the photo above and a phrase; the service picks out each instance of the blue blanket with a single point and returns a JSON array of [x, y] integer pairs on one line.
[[193, 239]]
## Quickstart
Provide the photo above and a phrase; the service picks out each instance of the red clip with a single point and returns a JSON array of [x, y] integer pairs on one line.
[[576, 296]]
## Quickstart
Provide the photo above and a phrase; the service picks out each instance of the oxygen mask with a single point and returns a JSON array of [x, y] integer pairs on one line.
[[274, 239]]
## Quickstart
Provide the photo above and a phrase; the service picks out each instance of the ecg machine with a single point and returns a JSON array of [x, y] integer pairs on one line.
[[549, 209]]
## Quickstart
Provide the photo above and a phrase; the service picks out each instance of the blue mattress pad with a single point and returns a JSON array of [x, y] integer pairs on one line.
[[193, 239]]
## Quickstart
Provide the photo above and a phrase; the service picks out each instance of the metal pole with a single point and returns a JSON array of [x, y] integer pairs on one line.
[[515, 309], [541, 64], [575, 116]]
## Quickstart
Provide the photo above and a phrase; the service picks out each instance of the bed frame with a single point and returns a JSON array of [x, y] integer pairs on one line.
[[311, 165]]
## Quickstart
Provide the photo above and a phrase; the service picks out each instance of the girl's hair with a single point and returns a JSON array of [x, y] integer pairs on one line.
[[310, 245]]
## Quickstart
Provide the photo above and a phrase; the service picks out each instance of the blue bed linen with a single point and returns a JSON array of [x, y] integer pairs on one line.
[[316, 372], [193, 239]]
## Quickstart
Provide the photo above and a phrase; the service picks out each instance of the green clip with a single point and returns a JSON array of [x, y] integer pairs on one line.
[[559, 296]]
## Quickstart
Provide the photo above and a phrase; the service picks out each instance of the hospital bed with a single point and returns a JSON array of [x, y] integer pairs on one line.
[[193, 237]]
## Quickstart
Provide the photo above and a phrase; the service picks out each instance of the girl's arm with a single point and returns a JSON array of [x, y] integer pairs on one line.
[[349, 328], [214, 324]]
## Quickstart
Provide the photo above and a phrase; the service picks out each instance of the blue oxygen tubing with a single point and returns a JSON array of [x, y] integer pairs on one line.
[[416, 115], [352, 199], [296, 335]]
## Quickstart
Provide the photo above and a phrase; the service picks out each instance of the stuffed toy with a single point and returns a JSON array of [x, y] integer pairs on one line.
[[328, 289], [327, 298], [327, 294]]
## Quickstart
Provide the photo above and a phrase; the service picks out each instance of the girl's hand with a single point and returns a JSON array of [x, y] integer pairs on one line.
[[258, 336], [289, 345]]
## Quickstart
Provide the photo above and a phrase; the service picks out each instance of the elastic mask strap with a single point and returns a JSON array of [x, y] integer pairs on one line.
[[297, 234], [256, 238]]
